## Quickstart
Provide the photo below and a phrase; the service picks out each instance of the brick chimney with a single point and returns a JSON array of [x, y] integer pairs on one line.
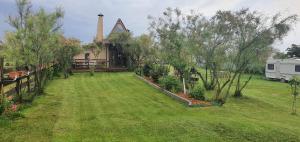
[[99, 37]]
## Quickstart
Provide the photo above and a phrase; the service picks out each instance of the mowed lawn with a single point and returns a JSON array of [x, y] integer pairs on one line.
[[120, 107]]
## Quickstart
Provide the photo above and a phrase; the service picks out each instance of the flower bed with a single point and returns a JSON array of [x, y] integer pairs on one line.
[[179, 96]]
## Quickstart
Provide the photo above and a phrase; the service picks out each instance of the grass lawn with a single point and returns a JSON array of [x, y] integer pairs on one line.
[[119, 107]]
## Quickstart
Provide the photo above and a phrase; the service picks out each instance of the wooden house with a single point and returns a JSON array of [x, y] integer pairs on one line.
[[110, 56]]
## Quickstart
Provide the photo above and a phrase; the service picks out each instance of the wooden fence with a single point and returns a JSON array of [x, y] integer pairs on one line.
[[11, 87]]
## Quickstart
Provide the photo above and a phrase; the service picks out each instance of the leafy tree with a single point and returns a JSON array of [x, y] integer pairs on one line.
[[65, 53], [280, 55], [34, 39], [209, 40], [139, 49], [18, 39], [293, 51], [168, 33], [253, 35]]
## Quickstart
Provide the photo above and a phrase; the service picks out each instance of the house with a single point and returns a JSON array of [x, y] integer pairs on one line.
[[110, 56], [282, 69]]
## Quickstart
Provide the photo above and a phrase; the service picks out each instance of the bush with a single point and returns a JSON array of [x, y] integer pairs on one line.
[[5, 103], [198, 93], [170, 83], [138, 71], [157, 72], [146, 70]]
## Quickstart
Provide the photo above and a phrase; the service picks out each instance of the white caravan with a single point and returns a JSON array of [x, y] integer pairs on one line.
[[283, 69]]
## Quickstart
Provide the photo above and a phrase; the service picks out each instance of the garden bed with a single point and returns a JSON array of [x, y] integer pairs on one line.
[[184, 98]]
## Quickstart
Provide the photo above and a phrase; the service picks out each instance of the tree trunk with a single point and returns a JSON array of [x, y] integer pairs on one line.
[[239, 89], [184, 88], [28, 83]]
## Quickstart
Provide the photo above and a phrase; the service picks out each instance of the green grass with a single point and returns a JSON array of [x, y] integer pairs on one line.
[[119, 107]]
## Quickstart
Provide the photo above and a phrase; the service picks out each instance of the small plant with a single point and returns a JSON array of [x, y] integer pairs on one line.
[[146, 70], [294, 83], [198, 93], [138, 71], [157, 72], [92, 70], [170, 83], [8, 108]]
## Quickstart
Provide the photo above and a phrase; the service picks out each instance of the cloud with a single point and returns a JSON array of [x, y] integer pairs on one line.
[[81, 15]]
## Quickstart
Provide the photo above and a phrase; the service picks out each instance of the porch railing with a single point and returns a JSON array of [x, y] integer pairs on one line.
[[86, 64]]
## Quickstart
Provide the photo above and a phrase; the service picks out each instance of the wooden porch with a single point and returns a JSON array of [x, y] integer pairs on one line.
[[100, 65]]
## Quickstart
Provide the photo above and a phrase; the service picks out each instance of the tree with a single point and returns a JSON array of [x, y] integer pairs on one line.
[[280, 55], [294, 84], [139, 49], [208, 40], [18, 39], [293, 51], [34, 39], [64, 54], [253, 35], [167, 31]]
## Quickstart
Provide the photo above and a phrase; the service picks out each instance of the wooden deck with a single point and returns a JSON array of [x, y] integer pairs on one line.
[[82, 65], [77, 70]]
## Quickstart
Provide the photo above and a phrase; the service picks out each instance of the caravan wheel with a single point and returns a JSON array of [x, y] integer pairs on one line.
[[282, 80]]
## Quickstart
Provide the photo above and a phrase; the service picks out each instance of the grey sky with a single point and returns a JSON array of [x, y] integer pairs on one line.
[[81, 15]]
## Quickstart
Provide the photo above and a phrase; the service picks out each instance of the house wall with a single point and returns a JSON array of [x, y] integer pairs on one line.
[[102, 55]]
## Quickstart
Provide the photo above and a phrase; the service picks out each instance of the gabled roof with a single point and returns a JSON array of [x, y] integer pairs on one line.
[[118, 28]]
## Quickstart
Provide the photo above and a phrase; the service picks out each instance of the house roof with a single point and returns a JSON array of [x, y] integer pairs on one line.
[[118, 28]]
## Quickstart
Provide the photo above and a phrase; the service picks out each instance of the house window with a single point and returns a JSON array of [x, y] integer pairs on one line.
[[297, 68], [270, 66]]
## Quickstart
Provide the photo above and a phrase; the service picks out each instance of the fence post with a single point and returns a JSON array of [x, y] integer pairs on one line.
[[18, 89]]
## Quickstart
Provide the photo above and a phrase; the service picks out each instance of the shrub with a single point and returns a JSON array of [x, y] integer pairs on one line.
[[92, 70], [5, 103], [138, 71], [146, 70], [157, 72], [198, 93], [170, 83]]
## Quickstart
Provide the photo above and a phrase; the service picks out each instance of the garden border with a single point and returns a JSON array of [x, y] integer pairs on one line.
[[168, 93]]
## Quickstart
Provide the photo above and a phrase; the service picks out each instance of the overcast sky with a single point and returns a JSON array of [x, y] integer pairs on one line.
[[81, 15]]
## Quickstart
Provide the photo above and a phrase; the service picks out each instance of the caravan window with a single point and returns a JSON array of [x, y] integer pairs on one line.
[[297, 68], [270, 66]]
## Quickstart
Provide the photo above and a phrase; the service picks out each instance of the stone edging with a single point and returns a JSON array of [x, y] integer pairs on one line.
[[168, 93]]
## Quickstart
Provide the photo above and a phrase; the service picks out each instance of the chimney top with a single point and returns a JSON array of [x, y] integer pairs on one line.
[[100, 15]]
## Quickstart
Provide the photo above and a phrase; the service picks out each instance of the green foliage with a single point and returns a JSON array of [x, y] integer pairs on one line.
[[147, 70], [69, 47], [168, 32], [293, 51], [138, 71], [158, 71], [198, 93], [34, 40], [56, 70], [92, 70], [170, 83]]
